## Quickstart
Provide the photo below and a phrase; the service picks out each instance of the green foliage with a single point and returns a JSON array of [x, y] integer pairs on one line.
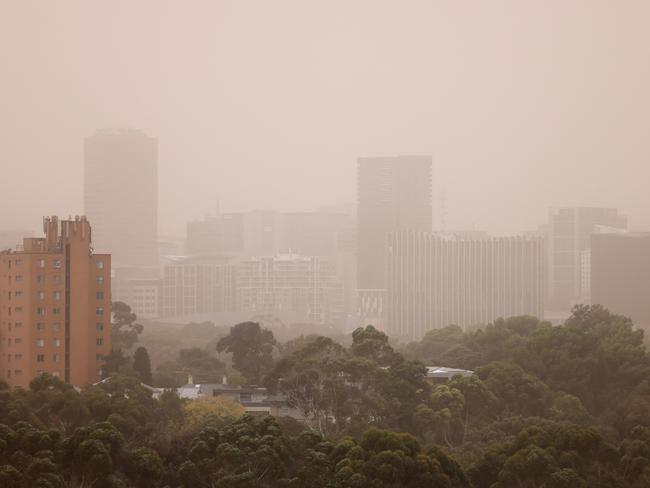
[[553, 407], [251, 347], [124, 328], [142, 365]]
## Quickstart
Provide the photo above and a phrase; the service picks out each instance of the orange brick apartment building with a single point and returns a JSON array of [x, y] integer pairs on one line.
[[55, 306]]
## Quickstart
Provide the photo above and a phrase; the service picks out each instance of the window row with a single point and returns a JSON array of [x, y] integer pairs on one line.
[[19, 372], [56, 342], [40, 358], [55, 326]]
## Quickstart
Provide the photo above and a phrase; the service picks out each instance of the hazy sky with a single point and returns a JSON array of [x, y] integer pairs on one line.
[[268, 103]]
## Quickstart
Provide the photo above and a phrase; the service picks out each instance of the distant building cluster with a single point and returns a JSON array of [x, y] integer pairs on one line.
[[382, 263]]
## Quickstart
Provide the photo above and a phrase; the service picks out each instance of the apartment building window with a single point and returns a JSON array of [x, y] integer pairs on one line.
[[41, 295], [18, 356], [56, 358], [18, 278], [18, 294], [40, 263], [56, 326], [40, 311], [100, 264], [99, 341], [18, 372], [99, 326], [18, 325], [99, 311], [56, 279], [40, 326], [40, 358], [39, 279], [40, 342], [17, 340], [57, 263], [100, 295], [100, 280], [99, 357], [56, 342], [18, 309], [56, 374], [56, 311], [19, 262], [56, 295]]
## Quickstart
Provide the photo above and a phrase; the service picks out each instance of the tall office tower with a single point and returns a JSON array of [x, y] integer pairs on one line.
[[437, 281], [291, 287], [393, 193], [620, 274], [200, 286], [121, 195], [55, 306], [569, 235]]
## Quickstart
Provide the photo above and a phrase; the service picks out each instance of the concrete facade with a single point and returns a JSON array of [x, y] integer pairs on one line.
[[55, 306]]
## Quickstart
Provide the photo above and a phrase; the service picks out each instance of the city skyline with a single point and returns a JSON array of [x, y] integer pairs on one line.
[[557, 118]]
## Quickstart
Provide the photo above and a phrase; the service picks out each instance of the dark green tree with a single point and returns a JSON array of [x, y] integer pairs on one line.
[[124, 327], [252, 349], [142, 365]]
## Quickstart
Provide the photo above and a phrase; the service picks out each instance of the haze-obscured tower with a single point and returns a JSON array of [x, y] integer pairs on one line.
[[439, 280], [569, 236], [394, 193], [121, 195], [620, 274]]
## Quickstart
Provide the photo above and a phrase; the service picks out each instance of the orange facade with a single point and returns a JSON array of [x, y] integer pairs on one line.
[[55, 306]]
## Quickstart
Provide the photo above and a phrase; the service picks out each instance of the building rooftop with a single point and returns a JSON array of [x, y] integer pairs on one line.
[[448, 373]]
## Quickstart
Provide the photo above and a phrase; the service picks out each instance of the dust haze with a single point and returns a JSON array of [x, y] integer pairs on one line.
[[267, 105]]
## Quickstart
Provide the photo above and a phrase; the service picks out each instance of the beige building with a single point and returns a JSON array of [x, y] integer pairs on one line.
[[435, 281], [55, 306]]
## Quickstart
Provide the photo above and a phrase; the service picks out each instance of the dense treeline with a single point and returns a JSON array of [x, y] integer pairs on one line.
[[565, 406]]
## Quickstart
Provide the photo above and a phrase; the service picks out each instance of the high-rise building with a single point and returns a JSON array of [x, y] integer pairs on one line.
[[620, 274], [569, 235], [290, 286], [394, 193], [121, 195], [436, 281], [142, 294], [198, 286], [55, 306]]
